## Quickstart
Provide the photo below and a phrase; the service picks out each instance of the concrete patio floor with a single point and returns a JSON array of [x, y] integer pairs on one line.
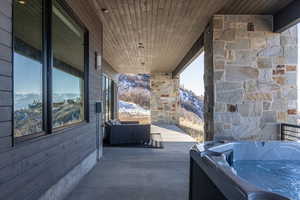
[[141, 173]]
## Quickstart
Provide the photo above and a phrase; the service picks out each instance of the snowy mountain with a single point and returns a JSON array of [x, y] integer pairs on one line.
[[23, 100], [28, 111], [135, 89], [132, 108], [134, 95], [128, 81], [191, 102]]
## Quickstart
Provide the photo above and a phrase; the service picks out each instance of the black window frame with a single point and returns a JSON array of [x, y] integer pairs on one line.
[[47, 77], [108, 94]]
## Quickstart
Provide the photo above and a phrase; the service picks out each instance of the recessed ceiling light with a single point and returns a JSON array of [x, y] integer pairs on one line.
[[23, 2], [140, 45], [104, 10]]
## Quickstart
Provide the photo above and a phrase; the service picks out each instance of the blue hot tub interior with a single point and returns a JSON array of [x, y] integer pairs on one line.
[[281, 177], [272, 166]]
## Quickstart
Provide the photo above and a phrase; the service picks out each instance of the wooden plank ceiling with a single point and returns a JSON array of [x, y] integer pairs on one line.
[[142, 36]]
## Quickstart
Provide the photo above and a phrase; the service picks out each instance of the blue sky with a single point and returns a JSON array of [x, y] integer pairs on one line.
[[27, 75], [192, 77], [28, 78]]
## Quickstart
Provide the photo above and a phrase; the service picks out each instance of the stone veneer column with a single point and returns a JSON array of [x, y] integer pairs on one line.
[[251, 77], [164, 101]]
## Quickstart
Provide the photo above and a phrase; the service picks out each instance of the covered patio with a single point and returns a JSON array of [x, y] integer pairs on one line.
[[59, 67], [138, 173], [250, 59]]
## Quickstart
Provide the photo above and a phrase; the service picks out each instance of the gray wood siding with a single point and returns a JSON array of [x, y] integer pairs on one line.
[[29, 168], [5, 75]]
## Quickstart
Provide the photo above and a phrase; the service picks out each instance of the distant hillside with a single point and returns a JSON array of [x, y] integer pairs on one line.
[[28, 112], [134, 104], [132, 108], [191, 102], [135, 89], [128, 81]]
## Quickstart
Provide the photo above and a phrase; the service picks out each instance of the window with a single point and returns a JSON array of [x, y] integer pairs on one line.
[[68, 69], [108, 98], [49, 83], [28, 68]]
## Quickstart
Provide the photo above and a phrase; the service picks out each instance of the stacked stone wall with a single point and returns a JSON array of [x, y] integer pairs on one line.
[[254, 81], [164, 101]]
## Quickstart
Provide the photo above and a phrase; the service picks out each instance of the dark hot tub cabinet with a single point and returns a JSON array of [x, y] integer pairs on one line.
[[214, 177]]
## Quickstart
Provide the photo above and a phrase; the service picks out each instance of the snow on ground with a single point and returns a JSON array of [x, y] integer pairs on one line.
[[132, 108]]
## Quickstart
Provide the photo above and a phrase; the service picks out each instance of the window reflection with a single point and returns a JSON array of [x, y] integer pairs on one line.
[[67, 98], [68, 69], [28, 68]]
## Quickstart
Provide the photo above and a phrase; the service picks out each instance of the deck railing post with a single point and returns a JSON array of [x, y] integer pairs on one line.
[[290, 132]]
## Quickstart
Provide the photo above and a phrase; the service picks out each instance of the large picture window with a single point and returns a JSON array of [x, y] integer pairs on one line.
[[68, 68], [49, 69]]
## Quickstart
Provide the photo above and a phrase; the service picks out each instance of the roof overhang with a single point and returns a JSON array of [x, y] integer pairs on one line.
[[142, 36]]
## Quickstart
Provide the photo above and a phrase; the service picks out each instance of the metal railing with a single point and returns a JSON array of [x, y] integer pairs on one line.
[[290, 132]]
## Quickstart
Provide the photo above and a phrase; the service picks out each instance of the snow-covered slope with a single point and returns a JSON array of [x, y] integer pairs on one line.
[[135, 89], [132, 108], [128, 81], [134, 95], [191, 102]]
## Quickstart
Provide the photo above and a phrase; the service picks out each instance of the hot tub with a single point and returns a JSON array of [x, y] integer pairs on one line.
[[245, 170]]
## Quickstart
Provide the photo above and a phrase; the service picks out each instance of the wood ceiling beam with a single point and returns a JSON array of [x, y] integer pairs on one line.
[[287, 17], [191, 55]]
